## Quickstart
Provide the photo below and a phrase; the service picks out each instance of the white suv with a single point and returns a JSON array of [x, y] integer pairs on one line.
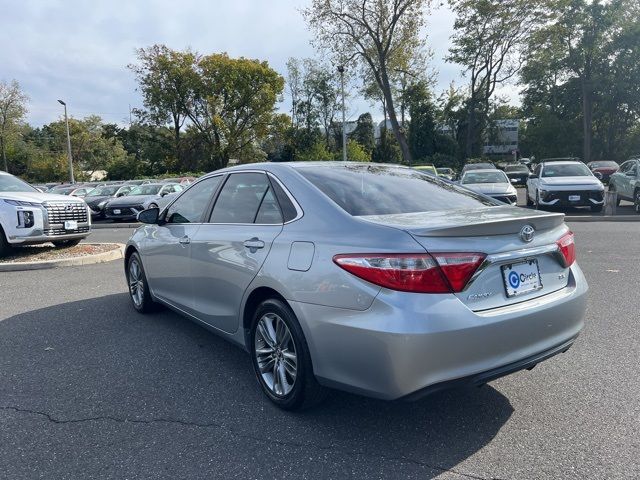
[[564, 183], [28, 216]]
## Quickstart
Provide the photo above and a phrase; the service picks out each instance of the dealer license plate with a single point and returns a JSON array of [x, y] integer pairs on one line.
[[521, 278], [116, 211], [71, 225], [574, 198]]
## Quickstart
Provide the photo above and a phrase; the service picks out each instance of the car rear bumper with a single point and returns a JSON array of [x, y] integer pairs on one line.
[[407, 343]]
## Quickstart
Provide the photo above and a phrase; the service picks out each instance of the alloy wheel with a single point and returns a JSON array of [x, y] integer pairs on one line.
[[276, 354], [136, 282]]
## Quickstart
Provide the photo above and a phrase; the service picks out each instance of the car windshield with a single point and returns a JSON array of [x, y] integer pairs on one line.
[[566, 170], [146, 190], [9, 183], [484, 177], [516, 168], [382, 190], [102, 191], [604, 165], [444, 170]]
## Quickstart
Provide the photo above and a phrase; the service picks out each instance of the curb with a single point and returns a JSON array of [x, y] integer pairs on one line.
[[103, 257], [100, 226]]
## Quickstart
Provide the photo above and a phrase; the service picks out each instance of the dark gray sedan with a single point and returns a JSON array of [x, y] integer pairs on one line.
[[371, 278], [128, 207]]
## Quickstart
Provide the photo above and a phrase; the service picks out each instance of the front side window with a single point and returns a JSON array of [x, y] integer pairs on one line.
[[246, 198], [192, 204], [384, 190]]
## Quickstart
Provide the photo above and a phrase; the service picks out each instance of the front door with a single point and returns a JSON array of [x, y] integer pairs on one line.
[[229, 250]]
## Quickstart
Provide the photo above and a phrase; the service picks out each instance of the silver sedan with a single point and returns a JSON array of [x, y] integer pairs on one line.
[[370, 278]]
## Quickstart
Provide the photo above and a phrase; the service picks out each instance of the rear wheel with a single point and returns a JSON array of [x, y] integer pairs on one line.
[[67, 243], [138, 286], [5, 247], [281, 358]]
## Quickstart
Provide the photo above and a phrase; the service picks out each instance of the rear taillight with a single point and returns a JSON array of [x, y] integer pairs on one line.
[[567, 247], [414, 272]]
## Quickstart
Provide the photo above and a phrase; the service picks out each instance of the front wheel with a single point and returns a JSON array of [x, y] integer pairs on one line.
[[636, 201], [5, 247], [67, 243], [138, 286], [281, 358]]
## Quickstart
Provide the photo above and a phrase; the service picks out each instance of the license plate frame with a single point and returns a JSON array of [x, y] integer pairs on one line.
[[513, 287], [71, 225]]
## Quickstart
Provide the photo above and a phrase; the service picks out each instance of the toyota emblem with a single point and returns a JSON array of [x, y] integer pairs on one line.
[[527, 233]]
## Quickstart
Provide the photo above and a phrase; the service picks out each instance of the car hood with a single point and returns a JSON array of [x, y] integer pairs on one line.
[[38, 197], [131, 200], [491, 188], [581, 180]]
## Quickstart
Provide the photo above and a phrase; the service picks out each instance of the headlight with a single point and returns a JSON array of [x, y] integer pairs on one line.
[[25, 219], [20, 203]]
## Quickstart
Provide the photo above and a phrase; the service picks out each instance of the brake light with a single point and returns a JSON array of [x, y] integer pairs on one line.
[[567, 247], [414, 272]]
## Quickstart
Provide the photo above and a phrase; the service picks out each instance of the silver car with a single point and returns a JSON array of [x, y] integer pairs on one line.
[[371, 278], [493, 183]]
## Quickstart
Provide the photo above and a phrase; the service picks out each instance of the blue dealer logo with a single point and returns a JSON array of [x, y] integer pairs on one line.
[[514, 280]]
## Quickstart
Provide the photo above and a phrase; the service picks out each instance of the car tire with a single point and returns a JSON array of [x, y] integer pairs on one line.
[[529, 202], [537, 201], [5, 247], [636, 201], [67, 243], [279, 354], [138, 285]]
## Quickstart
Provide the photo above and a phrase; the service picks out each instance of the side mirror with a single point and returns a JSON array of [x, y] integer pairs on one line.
[[149, 216]]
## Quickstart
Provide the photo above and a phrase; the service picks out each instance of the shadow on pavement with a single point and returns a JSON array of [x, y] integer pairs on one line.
[[137, 392]]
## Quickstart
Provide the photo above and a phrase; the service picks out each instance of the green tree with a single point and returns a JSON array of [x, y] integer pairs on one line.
[[364, 133], [13, 108], [231, 103], [487, 41], [356, 152], [378, 34], [163, 77]]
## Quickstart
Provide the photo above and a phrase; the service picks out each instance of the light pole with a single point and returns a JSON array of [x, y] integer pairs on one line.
[[344, 123], [66, 120]]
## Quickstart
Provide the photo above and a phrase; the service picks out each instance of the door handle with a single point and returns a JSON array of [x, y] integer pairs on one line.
[[253, 243], [185, 240]]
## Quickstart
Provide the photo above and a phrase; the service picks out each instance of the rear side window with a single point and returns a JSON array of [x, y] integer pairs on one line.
[[242, 197], [383, 190], [289, 211]]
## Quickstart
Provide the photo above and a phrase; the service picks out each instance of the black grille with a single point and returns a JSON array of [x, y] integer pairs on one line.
[[62, 231], [564, 196], [124, 211]]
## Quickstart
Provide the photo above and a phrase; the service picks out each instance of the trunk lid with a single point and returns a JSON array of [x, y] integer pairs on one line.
[[496, 232]]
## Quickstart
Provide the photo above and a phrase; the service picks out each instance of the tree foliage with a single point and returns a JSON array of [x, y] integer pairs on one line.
[[13, 108]]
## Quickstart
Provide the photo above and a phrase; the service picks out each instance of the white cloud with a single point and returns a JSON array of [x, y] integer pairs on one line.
[[78, 50]]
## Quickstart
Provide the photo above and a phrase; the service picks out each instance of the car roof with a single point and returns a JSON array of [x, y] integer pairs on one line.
[[483, 170], [565, 162]]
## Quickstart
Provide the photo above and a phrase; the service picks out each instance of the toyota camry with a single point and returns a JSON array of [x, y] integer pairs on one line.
[[375, 279]]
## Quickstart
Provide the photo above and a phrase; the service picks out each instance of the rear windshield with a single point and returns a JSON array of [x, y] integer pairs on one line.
[[604, 165], [516, 168], [382, 190], [103, 191]]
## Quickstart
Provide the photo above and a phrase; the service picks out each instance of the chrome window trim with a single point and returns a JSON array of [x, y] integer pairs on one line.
[[514, 255]]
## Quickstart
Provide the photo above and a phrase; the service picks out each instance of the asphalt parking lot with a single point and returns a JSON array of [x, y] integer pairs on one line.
[[91, 389]]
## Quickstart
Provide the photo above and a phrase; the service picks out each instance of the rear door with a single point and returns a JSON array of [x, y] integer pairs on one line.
[[229, 250]]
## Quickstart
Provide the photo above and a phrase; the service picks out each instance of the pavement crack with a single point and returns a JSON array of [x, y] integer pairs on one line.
[[292, 444]]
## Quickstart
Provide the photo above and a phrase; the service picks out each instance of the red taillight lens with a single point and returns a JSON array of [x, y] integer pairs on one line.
[[414, 272], [567, 247]]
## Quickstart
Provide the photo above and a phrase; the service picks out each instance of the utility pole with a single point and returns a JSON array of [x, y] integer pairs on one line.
[[66, 120], [344, 123]]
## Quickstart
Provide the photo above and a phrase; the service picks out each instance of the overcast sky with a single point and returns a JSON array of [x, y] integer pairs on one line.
[[78, 50]]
